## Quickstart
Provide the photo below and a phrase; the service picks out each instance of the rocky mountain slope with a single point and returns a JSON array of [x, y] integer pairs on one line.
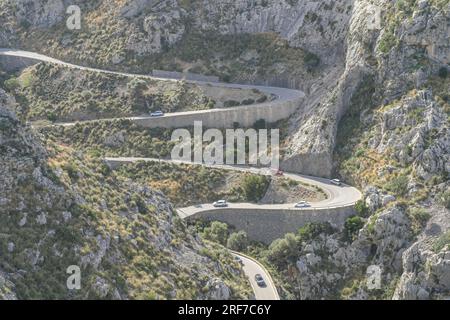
[[59, 208], [328, 266], [376, 112], [412, 44]]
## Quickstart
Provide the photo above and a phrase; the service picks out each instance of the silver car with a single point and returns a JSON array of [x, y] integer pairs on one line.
[[220, 204], [336, 182], [302, 204], [158, 113]]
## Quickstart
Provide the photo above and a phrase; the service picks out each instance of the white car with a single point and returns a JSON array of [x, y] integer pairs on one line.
[[336, 182], [220, 204], [158, 113], [302, 204]]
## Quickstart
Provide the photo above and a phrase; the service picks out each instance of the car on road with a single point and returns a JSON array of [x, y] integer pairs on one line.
[[302, 204], [220, 204], [158, 113], [238, 260], [260, 281], [336, 182]]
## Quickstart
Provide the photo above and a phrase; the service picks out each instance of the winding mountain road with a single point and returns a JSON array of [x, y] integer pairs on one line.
[[278, 95], [337, 196], [251, 268]]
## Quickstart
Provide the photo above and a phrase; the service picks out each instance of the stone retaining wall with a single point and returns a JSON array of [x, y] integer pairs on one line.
[[184, 75], [266, 225], [13, 64], [226, 118]]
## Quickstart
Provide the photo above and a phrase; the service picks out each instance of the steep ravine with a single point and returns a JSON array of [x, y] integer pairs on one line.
[[376, 114], [59, 208]]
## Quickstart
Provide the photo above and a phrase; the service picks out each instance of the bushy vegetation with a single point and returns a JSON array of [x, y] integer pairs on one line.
[[55, 93], [442, 242], [361, 208], [217, 232], [280, 253], [90, 217], [285, 251], [444, 199], [398, 185], [119, 138], [419, 218], [312, 230], [352, 226], [255, 186], [202, 49], [238, 241], [187, 185]]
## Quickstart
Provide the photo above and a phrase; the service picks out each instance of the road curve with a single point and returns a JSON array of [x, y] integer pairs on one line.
[[279, 95], [337, 196], [251, 268]]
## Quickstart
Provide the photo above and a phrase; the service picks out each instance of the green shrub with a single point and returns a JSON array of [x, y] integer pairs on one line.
[[283, 251], [260, 124], [217, 232], [262, 99], [352, 226], [388, 41], [398, 185], [444, 199], [72, 170], [140, 203], [12, 84], [247, 102], [254, 187], [231, 103], [51, 116], [442, 242], [419, 218], [312, 230], [5, 124], [238, 241], [311, 60], [361, 208]]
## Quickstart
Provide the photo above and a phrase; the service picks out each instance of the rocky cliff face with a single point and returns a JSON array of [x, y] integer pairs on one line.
[[376, 95], [331, 268], [59, 209], [426, 264], [339, 32], [318, 26]]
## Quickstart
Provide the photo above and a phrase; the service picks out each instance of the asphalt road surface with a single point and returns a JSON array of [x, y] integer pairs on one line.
[[337, 196], [251, 268]]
